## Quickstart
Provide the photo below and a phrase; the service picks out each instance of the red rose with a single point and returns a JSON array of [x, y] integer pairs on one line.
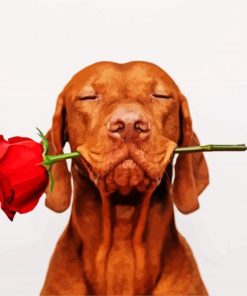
[[22, 177]]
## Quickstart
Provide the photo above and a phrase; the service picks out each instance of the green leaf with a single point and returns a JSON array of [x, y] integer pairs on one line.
[[44, 141], [51, 181]]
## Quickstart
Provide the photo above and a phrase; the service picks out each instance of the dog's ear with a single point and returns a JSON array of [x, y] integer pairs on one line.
[[59, 198], [191, 171]]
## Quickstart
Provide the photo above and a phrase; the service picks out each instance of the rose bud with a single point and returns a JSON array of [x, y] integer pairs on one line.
[[23, 179]]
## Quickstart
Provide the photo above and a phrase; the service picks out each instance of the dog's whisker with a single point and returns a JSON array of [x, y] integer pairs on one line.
[[96, 179], [158, 180], [168, 180]]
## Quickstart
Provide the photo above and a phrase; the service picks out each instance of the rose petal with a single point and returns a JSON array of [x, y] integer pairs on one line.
[[3, 146], [20, 140], [27, 185], [20, 157], [6, 196]]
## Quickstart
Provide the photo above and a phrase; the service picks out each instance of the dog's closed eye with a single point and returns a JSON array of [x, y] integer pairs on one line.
[[161, 96], [86, 98]]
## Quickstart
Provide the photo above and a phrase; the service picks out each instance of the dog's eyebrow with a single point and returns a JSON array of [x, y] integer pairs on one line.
[[161, 89], [87, 91]]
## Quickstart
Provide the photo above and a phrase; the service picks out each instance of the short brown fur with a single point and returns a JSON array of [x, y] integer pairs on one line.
[[121, 238]]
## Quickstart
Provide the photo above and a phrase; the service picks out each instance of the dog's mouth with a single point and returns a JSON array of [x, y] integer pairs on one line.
[[126, 171]]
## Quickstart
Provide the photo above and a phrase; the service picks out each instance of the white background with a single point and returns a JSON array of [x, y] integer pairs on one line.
[[201, 44]]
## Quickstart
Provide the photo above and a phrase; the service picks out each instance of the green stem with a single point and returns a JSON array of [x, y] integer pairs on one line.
[[51, 159], [210, 148]]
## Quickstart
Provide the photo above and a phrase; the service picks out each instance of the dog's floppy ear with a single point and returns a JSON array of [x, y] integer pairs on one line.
[[191, 171], [59, 198]]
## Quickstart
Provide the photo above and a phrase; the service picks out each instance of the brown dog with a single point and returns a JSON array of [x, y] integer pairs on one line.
[[125, 120]]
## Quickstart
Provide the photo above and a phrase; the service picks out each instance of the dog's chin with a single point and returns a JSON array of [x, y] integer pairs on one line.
[[126, 183], [127, 177]]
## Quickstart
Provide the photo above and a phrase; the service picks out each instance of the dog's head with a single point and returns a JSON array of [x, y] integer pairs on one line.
[[125, 120]]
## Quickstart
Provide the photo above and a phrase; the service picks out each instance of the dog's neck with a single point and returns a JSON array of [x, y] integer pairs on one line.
[[111, 233]]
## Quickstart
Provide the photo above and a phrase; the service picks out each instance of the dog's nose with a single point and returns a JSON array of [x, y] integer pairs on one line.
[[129, 126]]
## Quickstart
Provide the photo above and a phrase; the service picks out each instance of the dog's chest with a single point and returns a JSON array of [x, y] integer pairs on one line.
[[120, 269], [120, 262]]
